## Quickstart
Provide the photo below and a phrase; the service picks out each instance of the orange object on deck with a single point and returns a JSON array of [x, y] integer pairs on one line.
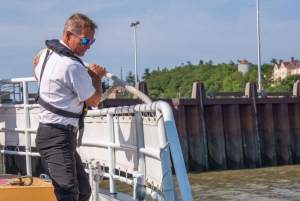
[[39, 190]]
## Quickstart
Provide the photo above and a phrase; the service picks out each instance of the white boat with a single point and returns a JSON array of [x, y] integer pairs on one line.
[[131, 144]]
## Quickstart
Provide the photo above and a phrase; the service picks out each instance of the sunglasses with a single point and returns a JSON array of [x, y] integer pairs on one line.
[[84, 41]]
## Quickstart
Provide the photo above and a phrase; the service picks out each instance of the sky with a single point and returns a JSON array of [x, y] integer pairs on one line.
[[171, 32]]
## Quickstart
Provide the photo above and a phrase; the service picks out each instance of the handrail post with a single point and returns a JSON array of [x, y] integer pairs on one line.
[[14, 91], [19, 90], [27, 126], [111, 152], [168, 188], [140, 142], [169, 129]]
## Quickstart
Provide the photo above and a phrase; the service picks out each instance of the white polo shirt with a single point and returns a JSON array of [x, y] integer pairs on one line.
[[65, 85]]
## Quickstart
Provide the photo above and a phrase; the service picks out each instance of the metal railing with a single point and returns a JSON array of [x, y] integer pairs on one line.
[[167, 136], [10, 92]]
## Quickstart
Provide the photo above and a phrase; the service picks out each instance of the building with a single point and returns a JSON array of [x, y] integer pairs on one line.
[[283, 69], [117, 94], [296, 69], [244, 66]]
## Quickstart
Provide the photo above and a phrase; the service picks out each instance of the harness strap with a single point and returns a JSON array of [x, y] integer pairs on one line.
[[48, 106], [59, 48], [58, 111]]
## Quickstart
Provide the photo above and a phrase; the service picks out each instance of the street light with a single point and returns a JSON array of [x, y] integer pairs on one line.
[[134, 25], [258, 46]]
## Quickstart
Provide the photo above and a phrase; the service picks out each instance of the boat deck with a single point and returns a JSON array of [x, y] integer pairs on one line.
[[41, 190]]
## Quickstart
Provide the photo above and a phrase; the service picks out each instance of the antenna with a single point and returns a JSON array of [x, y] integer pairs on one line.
[[121, 73]]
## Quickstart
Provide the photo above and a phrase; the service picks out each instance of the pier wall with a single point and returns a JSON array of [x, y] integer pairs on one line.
[[227, 133]]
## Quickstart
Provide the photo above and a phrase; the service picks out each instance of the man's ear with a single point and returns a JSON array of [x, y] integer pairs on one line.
[[68, 34]]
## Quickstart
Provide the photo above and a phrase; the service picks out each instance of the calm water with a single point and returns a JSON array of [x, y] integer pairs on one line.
[[265, 184]]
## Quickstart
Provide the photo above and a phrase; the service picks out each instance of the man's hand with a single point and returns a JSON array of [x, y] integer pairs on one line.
[[36, 60], [96, 71]]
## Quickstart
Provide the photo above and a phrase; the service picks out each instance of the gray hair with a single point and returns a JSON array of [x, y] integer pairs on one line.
[[78, 21]]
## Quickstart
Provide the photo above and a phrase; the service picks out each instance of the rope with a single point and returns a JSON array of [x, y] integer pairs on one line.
[[118, 84]]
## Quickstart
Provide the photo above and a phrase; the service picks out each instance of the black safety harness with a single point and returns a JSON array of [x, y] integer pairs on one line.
[[59, 48]]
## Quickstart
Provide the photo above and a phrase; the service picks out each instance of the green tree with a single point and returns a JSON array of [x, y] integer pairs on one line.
[[130, 78], [209, 63], [106, 82], [234, 82], [266, 70], [273, 61], [286, 84], [231, 63], [146, 73], [220, 77]]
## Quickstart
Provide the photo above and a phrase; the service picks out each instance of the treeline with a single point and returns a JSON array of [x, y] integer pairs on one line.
[[171, 83]]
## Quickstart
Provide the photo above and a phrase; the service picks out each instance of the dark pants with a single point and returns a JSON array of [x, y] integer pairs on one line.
[[58, 148]]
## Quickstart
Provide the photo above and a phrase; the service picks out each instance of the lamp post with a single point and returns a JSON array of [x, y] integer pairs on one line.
[[258, 47], [134, 25]]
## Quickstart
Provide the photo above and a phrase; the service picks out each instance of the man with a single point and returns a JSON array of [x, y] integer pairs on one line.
[[64, 86]]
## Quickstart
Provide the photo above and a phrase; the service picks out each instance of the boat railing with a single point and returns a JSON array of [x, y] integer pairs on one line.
[[10, 92], [127, 141]]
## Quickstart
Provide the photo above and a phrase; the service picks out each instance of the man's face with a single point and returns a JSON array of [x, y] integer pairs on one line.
[[75, 42]]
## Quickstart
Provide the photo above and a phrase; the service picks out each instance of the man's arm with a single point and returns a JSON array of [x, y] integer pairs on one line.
[[35, 63], [96, 73]]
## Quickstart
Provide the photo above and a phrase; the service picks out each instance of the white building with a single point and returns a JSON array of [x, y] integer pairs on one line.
[[295, 69], [244, 66], [284, 69]]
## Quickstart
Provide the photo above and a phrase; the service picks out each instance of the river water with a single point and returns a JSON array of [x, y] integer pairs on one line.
[[274, 183], [263, 184]]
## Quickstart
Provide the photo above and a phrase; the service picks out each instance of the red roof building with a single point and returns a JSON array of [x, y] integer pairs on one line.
[[284, 69]]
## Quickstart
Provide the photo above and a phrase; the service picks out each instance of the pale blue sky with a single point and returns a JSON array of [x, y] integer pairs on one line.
[[171, 32]]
